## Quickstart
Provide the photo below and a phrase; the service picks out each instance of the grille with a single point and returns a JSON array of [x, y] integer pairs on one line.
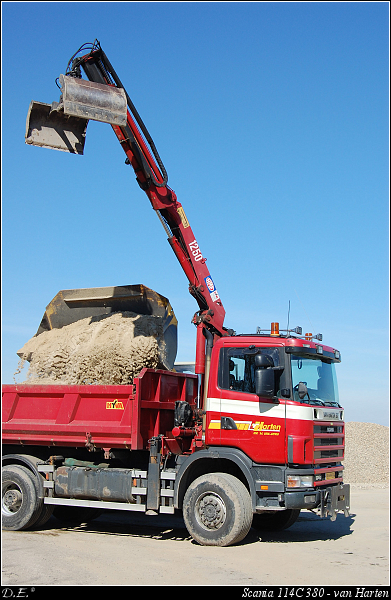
[[329, 447], [329, 441], [328, 429]]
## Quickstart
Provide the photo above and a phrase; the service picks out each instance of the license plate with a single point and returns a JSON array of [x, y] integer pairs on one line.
[[330, 475]]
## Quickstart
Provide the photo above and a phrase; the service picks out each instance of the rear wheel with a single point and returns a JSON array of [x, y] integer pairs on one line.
[[277, 521], [217, 510], [20, 504], [44, 515]]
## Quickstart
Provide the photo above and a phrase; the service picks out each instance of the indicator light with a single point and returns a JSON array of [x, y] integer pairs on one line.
[[275, 329], [293, 481]]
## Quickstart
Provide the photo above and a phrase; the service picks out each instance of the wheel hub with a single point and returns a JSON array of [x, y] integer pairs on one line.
[[211, 511], [12, 500]]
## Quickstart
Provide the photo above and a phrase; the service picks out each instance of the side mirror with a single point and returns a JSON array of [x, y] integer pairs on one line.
[[263, 361], [264, 376], [302, 390]]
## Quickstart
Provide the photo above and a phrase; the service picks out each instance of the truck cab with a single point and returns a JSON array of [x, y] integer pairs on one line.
[[274, 398]]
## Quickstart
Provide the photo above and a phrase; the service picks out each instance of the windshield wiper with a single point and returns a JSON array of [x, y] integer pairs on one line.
[[316, 402]]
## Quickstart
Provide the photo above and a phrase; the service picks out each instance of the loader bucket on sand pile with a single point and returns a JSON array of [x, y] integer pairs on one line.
[[69, 306], [63, 125]]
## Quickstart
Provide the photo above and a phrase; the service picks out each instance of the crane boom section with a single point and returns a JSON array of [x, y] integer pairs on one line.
[[151, 176]]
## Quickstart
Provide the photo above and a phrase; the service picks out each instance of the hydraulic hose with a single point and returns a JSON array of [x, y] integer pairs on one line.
[[208, 356]]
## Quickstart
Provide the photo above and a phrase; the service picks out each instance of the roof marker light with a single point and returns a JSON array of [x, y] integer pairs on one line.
[[308, 336], [275, 329]]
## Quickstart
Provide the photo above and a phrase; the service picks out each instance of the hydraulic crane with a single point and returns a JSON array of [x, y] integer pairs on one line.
[[79, 102]]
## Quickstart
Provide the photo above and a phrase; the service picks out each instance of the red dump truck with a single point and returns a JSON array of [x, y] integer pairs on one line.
[[253, 437]]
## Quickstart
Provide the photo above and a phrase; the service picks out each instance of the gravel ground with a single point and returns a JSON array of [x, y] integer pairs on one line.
[[134, 549], [367, 460]]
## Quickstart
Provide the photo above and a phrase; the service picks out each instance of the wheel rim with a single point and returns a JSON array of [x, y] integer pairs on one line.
[[210, 511], [12, 498]]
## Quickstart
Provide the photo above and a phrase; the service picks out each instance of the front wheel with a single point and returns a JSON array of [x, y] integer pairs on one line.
[[217, 510]]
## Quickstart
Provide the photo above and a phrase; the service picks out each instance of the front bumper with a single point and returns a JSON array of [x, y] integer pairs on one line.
[[328, 501]]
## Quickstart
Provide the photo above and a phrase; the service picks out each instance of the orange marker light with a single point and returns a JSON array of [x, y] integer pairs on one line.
[[275, 329]]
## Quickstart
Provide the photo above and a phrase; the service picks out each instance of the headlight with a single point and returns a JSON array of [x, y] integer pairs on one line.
[[300, 481], [307, 481]]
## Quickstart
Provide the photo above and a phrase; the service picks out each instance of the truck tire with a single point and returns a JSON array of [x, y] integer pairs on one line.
[[217, 510], [44, 515], [20, 503], [276, 522]]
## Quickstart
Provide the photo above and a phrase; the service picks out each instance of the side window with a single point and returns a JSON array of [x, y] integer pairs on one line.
[[237, 370], [238, 373]]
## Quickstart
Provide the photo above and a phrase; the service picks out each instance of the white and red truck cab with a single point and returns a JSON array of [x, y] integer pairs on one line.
[[284, 415]]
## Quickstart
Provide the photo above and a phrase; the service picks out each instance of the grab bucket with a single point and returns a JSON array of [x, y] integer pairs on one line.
[[94, 101], [48, 127], [63, 125], [69, 306]]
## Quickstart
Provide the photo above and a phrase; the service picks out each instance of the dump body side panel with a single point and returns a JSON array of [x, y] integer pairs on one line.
[[102, 416]]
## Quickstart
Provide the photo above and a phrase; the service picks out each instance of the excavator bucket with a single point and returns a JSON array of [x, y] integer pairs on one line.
[[62, 125], [69, 306], [51, 128], [94, 101]]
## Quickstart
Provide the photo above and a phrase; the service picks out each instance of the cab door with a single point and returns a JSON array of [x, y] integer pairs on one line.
[[243, 419]]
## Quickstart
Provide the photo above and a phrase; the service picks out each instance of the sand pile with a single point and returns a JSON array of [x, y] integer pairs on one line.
[[367, 457], [109, 349]]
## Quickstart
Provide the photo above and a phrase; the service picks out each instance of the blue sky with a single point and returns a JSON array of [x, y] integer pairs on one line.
[[272, 121]]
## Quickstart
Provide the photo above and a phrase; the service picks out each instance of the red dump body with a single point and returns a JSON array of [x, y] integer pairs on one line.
[[118, 416]]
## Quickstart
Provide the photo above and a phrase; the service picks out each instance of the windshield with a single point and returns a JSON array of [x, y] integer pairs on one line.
[[319, 378]]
